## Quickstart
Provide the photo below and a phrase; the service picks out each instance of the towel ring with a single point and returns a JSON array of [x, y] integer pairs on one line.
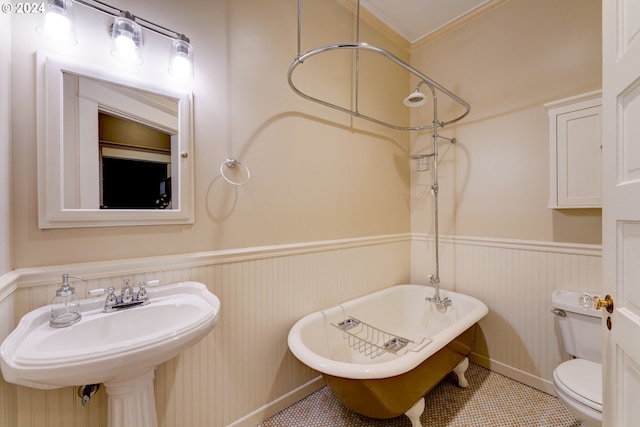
[[232, 163]]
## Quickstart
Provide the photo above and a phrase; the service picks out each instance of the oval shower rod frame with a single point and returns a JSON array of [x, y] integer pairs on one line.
[[364, 46], [357, 46]]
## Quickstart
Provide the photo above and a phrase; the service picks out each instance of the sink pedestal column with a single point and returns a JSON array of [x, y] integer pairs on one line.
[[131, 401]]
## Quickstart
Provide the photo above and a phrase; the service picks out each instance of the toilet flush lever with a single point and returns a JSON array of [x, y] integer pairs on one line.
[[587, 301]]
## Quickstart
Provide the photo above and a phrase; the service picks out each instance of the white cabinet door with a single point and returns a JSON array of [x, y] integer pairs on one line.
[[575, 144], [578, 148]]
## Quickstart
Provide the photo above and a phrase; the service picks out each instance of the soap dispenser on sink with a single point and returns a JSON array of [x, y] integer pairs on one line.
[[65, 306]]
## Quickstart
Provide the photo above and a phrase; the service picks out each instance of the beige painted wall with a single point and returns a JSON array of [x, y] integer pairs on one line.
[[7, 391], [5, 143], [317, 174], [507, 64]]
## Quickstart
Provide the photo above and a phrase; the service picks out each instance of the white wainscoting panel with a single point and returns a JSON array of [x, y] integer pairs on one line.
[[515, 279], [242, 372], [8, 392]]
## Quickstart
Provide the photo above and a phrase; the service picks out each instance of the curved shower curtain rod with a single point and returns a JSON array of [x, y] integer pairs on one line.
[[364, 46], [357, 46]]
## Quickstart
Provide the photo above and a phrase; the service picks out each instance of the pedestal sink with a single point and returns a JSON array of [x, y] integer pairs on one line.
[[119, 349]]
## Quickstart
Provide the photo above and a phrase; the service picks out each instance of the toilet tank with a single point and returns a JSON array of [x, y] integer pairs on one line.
[[580, 328]]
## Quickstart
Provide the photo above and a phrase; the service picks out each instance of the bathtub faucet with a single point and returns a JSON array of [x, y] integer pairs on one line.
[[442, 304]]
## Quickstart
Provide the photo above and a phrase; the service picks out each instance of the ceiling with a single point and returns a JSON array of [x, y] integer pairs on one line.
[[414, 19]]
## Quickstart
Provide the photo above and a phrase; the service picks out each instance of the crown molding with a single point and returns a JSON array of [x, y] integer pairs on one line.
[[376, 23], [457, 23]]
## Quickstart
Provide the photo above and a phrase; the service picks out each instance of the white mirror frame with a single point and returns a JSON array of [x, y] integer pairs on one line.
[[51, 210]]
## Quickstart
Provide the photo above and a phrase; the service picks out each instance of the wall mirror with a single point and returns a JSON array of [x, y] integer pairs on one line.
[[111, 151]]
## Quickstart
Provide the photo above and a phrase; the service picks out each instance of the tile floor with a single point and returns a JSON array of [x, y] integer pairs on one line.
[[491, 400]]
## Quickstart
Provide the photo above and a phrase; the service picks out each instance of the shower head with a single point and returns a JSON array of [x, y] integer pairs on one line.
[[415, 99]]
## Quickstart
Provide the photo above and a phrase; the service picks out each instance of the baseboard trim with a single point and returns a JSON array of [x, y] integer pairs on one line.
[[283, 402], [513, 373]]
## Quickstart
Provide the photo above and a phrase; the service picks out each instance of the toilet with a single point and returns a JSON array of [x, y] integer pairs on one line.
[[578, 382]]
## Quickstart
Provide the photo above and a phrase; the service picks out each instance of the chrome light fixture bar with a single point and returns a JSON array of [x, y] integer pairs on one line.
[[125, 33]]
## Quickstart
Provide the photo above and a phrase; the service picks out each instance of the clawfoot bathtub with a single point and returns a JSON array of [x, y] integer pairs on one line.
[[381, 353]]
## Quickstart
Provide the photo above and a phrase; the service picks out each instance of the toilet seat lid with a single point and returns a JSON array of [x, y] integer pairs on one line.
[[582, 378]]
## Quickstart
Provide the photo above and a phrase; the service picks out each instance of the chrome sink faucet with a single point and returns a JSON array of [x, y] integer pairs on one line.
[[128, 296]]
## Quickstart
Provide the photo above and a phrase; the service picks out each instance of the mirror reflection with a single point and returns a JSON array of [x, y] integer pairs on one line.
[[123, 139], [135, 164]]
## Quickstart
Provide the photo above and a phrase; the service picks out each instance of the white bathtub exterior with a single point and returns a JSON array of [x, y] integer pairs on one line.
[[401, 310]]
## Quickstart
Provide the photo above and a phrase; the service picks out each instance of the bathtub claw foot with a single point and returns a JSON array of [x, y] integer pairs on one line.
[[415, 412], [460, 370]]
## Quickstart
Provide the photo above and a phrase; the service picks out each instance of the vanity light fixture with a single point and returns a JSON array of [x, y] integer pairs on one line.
[[181, 58], [125, 33], [126, 39], [58, 22]]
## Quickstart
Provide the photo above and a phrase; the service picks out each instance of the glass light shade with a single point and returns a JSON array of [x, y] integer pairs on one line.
[[126, 40], [181, 59], [58, 22]]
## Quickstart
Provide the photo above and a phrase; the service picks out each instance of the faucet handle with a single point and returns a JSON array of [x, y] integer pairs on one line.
[[111, 297], [127, 292], [142, 294]]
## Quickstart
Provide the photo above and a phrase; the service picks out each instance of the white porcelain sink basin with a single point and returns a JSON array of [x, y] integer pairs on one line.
[[108, 348]]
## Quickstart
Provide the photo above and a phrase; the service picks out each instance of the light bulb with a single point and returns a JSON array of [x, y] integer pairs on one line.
[[126, 48], [181, 67], [56, 22], [126, 39]]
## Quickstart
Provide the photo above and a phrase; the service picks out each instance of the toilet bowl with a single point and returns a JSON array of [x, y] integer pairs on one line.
[[578, 384]]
